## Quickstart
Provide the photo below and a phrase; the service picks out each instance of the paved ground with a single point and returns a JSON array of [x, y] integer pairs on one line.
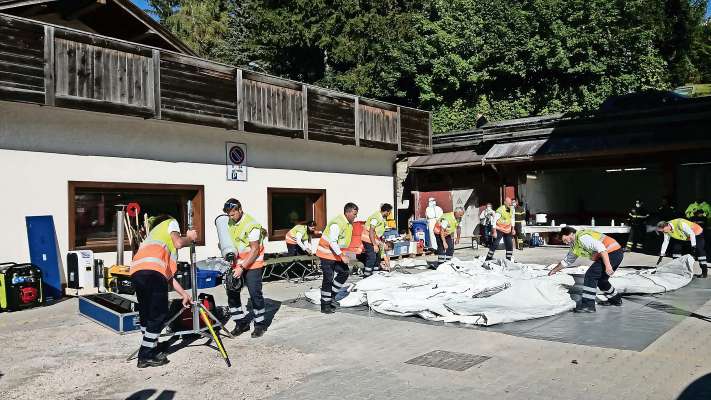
[[52, 353]]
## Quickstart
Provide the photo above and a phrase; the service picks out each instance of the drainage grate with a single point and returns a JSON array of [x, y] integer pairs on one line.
[[448, 360]]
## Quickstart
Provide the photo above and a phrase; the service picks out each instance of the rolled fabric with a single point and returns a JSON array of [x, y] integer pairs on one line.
[[223, 235]]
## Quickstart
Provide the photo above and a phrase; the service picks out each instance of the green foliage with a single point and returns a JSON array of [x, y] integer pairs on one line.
[[461, 58]]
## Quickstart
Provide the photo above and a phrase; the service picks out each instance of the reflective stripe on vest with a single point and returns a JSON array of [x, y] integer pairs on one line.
[[678, 232], [239, 231], [504, 222], [581, 251], [345, 232], [161, 235], [452, 224], [154, 256], [291, 235], [379, 228]]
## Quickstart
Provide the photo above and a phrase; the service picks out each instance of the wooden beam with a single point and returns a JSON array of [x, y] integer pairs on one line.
[[429, 119], [156, 84], [255, 76], [356, 108], [305, 110], [398, 131], [49, 71], [240, 100], [141, 36]]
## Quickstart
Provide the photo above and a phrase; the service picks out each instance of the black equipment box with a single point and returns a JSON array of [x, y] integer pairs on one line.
[[20, 286]]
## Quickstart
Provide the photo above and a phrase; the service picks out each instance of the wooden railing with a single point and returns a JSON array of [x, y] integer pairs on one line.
[[57, 66]]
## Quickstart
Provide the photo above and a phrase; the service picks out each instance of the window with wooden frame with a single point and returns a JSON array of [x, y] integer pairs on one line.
[[93, 206], [288, 207]]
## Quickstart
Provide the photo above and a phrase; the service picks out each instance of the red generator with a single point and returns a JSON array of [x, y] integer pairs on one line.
[[185, 320]]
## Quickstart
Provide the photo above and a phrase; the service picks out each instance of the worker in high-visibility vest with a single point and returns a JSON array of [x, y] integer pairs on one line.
[[298, 239], [679, 231], [334, 262], [607, 256], [699, 204], [447, 225], [247, 237], [504, 221], [152, 271], [372, 238]]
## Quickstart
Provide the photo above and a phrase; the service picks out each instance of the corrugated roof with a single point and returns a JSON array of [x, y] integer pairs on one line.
[[447, 160], [514, 150]]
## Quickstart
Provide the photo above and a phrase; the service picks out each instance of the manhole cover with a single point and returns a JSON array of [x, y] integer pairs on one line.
[[448, 360]]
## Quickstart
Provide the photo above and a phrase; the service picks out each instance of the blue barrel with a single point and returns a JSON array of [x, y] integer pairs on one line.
[[420, 230]]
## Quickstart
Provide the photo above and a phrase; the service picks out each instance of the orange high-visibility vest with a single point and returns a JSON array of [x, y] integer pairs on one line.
[[157, 252], [345, 233], [503, 224]]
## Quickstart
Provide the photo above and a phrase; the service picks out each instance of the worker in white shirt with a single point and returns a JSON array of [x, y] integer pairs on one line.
[[681, 230], [335, 239], [433, 213], [486, 220], [606, 254], [298, 239]]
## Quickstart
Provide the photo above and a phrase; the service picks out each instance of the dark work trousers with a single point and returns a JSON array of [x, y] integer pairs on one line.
[[152, 294], [636, 238], [508, 242], [372, 259], [335, 275], [442, 254], [596, 277], [295, 250], [700, 251], [519, 236], [252, 278]]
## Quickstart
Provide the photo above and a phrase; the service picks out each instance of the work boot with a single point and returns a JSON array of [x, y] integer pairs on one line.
[[258, 331], [240, 329], [585, 309], [615, 300], [327, 308], [152, 362], [161, 356]]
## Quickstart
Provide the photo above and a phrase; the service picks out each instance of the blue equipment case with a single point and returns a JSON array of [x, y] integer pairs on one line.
[[110, 310], [44, 253]]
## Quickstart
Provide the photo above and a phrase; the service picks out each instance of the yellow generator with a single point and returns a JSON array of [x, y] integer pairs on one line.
[[118, 280]]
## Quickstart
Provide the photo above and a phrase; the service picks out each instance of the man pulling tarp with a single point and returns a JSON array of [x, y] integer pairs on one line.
[[606, 254]]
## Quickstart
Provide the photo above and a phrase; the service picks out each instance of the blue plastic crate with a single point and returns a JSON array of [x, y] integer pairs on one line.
[[207, 278]]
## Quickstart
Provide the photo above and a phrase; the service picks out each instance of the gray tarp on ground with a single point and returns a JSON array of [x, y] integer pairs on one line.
[[488, 293]]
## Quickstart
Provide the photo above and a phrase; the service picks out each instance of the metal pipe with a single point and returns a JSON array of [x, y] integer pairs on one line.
[[119, 236]]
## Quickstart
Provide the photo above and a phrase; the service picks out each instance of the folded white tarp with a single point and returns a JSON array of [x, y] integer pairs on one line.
[[667, 277], [488, 293]]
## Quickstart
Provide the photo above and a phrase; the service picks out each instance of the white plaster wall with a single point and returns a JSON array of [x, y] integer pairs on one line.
[[42, 148]]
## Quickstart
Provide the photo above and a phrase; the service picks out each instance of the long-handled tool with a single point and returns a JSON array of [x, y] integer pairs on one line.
[[198, 310]]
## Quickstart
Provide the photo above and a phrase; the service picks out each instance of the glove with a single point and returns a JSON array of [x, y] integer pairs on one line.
[[231, 283], [230, 257], [659, 260]]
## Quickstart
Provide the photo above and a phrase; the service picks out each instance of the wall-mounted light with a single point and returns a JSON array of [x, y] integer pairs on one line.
[[636, 169], [529, 176], [614, 170]]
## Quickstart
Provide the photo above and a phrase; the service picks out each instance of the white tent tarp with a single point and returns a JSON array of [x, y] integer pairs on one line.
[[488, 293]]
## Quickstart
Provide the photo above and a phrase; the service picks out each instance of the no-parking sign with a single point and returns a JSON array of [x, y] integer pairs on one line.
[[236, 161]]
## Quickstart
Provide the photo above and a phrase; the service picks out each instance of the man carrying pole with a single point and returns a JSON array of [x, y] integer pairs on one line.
[[334, 263], [152, 270]]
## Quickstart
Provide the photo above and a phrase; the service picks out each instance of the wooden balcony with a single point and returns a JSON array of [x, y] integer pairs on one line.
[[57, 66]]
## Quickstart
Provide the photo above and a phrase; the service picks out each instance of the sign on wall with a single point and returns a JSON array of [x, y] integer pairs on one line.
[[236, 161]]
